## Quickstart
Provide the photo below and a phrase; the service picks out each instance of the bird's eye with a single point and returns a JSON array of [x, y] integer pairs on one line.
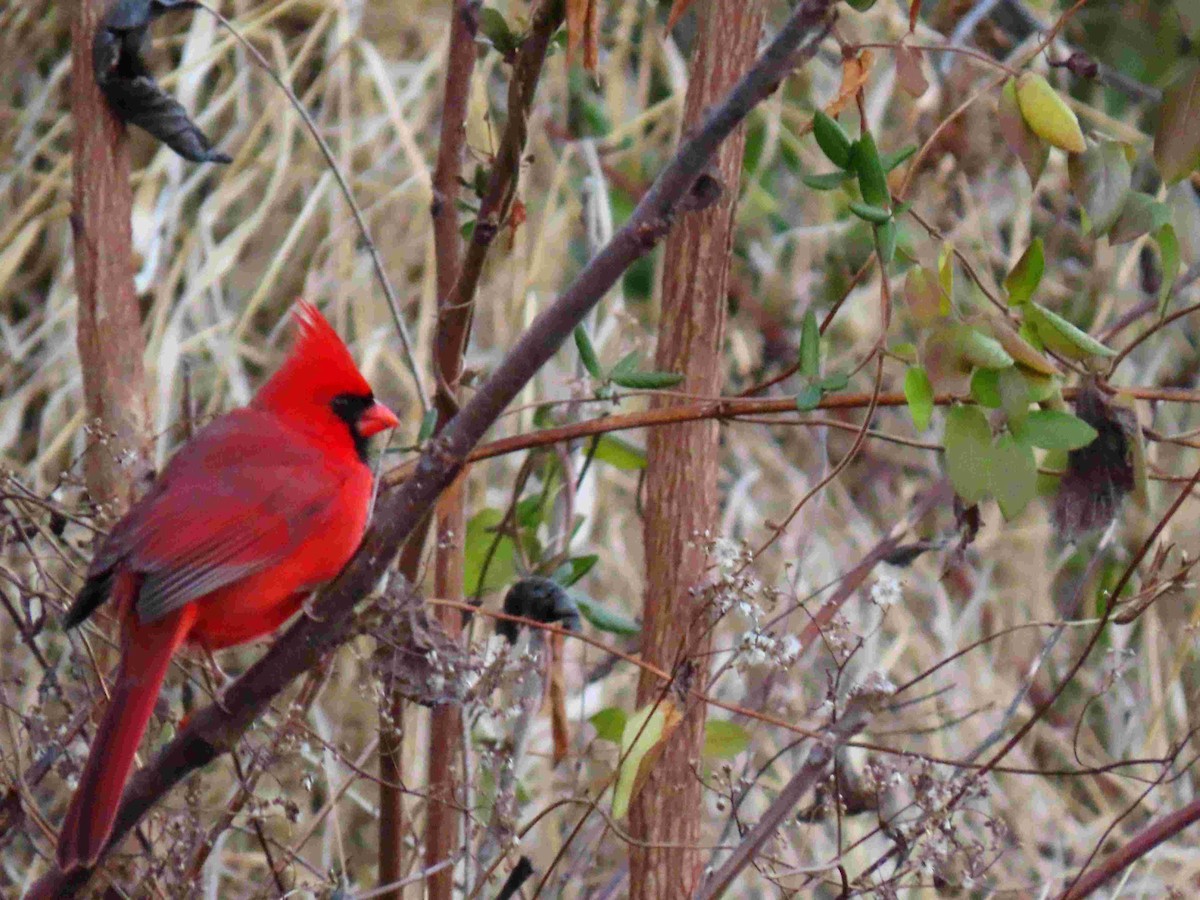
[[349, 407]]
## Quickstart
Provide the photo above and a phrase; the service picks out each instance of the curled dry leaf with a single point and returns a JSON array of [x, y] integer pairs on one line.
[[582, 26], [908, 70], [1177, 141], [130, 88], [855, 69]]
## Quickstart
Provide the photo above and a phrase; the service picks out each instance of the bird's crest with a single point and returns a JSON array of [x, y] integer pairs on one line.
[[319, 367]]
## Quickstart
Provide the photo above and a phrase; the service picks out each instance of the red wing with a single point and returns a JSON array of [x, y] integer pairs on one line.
[[241, 496]]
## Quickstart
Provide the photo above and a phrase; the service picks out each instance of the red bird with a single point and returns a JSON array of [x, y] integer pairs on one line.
[[264, 505]]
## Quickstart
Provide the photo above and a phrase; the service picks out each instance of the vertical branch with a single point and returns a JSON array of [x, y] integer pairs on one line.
[[109, 331], [457, 283], [681, 482], [445, 727], [443, 209]]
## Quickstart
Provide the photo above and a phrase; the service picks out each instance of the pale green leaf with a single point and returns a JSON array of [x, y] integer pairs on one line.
[[1053, 429], [1014, 475], [968, 443], [918, 391]]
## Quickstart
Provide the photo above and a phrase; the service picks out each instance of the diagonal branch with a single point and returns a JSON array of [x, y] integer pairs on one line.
[[215, 729]]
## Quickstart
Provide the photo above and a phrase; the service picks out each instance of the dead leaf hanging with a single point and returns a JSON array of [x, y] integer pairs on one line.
[[582, 26], [130, 88]]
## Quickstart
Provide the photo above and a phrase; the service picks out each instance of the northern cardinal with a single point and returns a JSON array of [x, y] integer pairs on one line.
[[261, 507]]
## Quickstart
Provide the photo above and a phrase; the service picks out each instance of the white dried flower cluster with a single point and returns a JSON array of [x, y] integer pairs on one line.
[[948, 846], [763, 648], [886, 591], [876, 684]]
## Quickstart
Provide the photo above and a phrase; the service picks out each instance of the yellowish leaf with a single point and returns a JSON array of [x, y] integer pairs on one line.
[[641, 744], [1047, 114]]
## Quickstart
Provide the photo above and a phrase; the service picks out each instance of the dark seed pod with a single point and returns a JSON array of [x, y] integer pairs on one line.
[[539, 599], [1099, 476]]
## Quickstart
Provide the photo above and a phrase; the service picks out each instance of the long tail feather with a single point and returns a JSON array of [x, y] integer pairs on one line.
[[146, 655]]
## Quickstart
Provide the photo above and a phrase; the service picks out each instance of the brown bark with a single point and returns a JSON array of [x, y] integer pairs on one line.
[[109, 325], [442, 818], [681, 476]]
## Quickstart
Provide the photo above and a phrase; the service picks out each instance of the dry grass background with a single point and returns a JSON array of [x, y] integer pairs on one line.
[[223, 251]]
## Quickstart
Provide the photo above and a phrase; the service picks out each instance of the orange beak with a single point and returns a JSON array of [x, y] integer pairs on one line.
[[376, 419]]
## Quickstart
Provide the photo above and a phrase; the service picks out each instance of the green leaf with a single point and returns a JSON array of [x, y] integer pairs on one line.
[[885, 241], [1014, 476], [1040, 387], [1018, 346], [643, 732], [1100, 181], [875, 214], [860, 5], [890, 161], [945, 268], [1054, 461], [1168, 248], [1013, 390], [810, 346], [627, 363], [872, 180], [619, 454], [826, 181], [918, 391], [603, 618], [1025, 276], [477, 550], [645, 381], [1177, 141], [1047, 114], [609, 723], [985, 387], [587, 353], [809, 398], [724, 739], [1030, 149], [968, 442], [1141, 214], [905, 350], [1185, 219], [980, 349], [496, 30], [834, 381], [1060, 336], [832, 139], [428, 423], [530, 512], [574, 569], [1053, 429]]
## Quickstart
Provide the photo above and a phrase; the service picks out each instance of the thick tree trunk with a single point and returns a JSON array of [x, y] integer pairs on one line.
[[109, 325], [681, 476]]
